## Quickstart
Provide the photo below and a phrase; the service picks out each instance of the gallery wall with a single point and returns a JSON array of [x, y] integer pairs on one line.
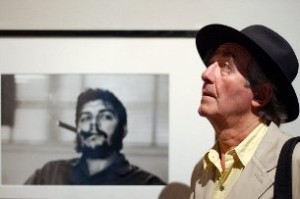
[[190, 135]]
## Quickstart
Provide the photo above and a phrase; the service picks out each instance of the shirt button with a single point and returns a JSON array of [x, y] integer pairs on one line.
[[212, 156], [222, 188]]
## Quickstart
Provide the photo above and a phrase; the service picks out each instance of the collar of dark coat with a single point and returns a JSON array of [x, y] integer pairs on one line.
[[80, 174]]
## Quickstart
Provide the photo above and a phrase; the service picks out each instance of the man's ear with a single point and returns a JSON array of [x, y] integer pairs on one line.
[[261, 94]]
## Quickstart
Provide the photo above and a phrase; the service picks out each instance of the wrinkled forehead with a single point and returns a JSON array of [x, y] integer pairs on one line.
[[239, 53]]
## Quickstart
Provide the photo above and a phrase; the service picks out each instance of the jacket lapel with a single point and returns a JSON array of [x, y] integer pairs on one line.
[[258, 175], [204, 186], [253, 182]]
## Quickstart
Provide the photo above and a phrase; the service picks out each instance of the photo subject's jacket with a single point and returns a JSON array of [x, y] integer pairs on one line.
[[75, 172], [257, 179]]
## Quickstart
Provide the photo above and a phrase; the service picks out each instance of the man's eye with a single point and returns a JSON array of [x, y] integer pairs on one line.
[[225, 67], [84, 119], [106, 117]]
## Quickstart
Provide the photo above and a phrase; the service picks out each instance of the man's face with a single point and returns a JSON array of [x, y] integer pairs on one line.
[[96, 126], [225, 93]]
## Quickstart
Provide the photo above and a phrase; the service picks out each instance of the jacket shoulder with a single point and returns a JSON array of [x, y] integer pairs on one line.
[[138, 176], [52, 172], [198, 169]]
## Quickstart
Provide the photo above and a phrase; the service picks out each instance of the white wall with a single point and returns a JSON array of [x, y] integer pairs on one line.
[[190, 136]]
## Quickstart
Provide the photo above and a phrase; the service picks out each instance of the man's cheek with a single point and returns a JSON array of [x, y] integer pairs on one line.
[[85, 127]]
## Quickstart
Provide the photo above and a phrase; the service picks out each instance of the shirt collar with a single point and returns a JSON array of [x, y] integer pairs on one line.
[[244, 151], [212, 158], [247, 147]]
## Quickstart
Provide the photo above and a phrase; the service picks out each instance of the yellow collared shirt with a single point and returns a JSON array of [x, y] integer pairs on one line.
[[235, 161]]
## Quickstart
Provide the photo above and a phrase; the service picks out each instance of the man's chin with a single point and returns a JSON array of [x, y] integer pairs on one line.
[[201, 111], [100, 152], [205, 111]]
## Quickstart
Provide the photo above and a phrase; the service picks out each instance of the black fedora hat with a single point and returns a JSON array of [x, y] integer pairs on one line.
[[272, 52]]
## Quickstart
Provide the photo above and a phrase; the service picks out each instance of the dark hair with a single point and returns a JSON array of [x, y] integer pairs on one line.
[[107, 97], [273, 110]]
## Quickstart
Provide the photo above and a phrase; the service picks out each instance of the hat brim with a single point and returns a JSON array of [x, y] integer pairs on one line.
[[212, 36]]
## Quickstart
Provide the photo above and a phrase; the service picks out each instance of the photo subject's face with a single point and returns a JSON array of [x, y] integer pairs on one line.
[[97, 124]]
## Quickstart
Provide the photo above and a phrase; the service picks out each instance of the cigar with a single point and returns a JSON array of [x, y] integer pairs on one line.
[[67, 126]]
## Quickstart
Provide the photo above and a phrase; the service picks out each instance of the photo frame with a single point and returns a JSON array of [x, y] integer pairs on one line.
[[170, 53]]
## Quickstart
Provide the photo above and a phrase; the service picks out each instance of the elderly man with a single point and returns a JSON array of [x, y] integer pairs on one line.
[[101, 125], [247, 93]]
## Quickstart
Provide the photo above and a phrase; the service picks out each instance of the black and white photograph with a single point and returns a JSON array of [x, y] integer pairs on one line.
[[50, 123]]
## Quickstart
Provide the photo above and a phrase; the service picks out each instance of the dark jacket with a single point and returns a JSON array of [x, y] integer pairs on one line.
[[75, 172]]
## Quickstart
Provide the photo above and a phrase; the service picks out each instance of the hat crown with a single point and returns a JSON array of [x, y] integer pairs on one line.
[[276, 47]]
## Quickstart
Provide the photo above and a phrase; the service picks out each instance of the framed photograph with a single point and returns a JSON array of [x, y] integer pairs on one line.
[[156, 74], [39, 124]]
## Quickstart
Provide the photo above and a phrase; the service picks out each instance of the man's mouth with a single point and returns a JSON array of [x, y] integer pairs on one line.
[[87, 134], [208, 94], [94, 140]]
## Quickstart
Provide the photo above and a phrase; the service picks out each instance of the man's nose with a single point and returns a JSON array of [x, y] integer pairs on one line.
[[94, 126], [207, 75]]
